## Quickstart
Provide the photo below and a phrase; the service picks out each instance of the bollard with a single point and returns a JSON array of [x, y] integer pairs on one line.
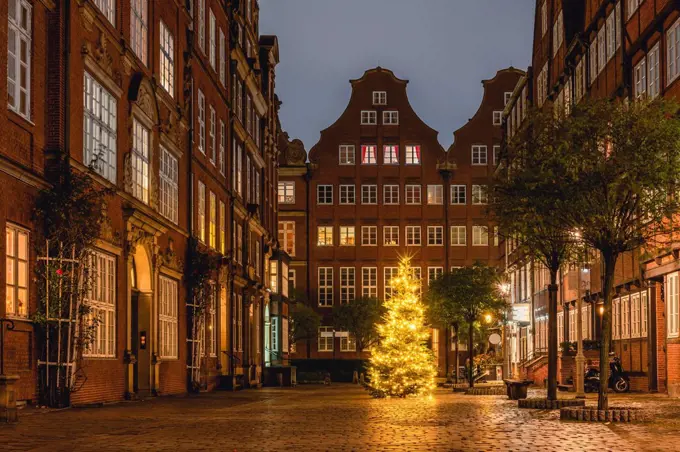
[[355, 377]]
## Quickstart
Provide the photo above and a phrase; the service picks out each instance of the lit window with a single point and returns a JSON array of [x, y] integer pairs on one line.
[[17, 272], [237, 167], [347, 154], [413, 155], [326, 337], [379, 98], [348, 342], [347, 236], [479, 156], [672, 304], [479, 194], [201, 24], [480, 235], [201, 211], [167, 59], [391, 194], [413, 194], [458, 236], [19, 57], [101, 298], [213, 141], [100, 128], [286, 192], [108, 7], [435, 194], [325, 286], [389, 273], [369, 282], [169, 186], [324, 235], [497, 118], [139, 28], [458, 194], [324, 194], [391, 154], [347, 284], [413, 236], [213, 221], [390, 117], [434, 273], [391, 235], [168, 301], [369, 117], [347, 194], [368, 155], [435, 235], [287, 236], [369, 235], [139, 162], [369, 194], [223, 231]]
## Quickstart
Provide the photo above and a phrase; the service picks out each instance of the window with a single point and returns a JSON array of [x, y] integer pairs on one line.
[[347, 154], [347, 284], [139, 162], [601, 49], [640, 75], [458, 195], [325, 286], [369, 282], [458, 236], [238, 243], [479, 155], [496, 236], [413, 236], [632, 5], [237, 168], [287, 236], [223, 144], [99, 140], [391, 154], [635, 315], [389, 273], [213, 142], [107, 7], [653, 68], [413, 155], [223, 232], [544, 18], [435, 235], [223, 59], [17, 271], [326, 336], [167, 59], [592, 61], [101, 298], [213, 221], [580, 85], [19, 57], [379, 98], [418, 275], [369, 194], [201, 24], [413, 195], [347, 236], [368, 155], [506, 97], [616, 318], [139, 28], [167, 318], [237, 323], [433, 273], [212, 52], [390, 117], [480, 236], [201, 211], [169, 186], [435, 194], [560, 327], [201, 122], [479, 194], [558, 33], [496, 154], [347, 194], [643, 314], [348, 342], [391, 235], [324, 194], [286, 192], [212, 321], [672, 304], [542, 85], [369, 235], [391, 194], [497, 118], [324, 235], [369, 117]]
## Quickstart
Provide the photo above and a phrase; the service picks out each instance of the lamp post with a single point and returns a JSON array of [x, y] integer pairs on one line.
[[580, 357]]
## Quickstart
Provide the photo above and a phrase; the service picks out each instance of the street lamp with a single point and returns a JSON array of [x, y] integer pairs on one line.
[[488, 318]]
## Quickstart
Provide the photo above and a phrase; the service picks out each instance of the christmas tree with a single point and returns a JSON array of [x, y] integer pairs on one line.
[[401, 364]]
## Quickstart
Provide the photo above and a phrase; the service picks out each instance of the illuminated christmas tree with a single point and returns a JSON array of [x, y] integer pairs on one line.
[[402, 364]]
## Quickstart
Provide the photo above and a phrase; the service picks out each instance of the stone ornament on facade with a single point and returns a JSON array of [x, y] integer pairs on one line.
[[170, 259]]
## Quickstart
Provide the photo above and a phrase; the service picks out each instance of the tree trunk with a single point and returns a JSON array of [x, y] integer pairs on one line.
[[471, 342], [552, 335], [447, 374], [609, 259], [455, 328]]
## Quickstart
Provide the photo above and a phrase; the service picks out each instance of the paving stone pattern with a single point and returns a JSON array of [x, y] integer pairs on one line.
[[336, 418]]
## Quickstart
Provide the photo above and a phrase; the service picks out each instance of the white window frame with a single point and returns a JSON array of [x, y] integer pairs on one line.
[[479, 155], [348, 235], [200, 13], [222, 52], [18, 252], [388, 274], [101, 298], [390, 117], [201, 211], [348, 194], [286, 192], [631, 7], [390, 154], [414, 155], [435, 195], [201, 121], [672, 305], [369, 194], [167, 59], [324, 236], [369, 236], [496, 149], [108, 9], [413, 194], [369, 117], [414, 236], [139, 29], [635, 316], [379, 97], [140, 158], [369, 282], [325, 286], [100, 128], [213, 139], [19, 36], [435, 235], [325, 339], [223, 145], [168, 303], [347, 284], [346, 154], [644, 314], [653, 74], [480, 235], [212, 30], [456, 192], [287, 236], [433, 273], [391, 194], [497, 117], [169, 185], [212, 221], [390, 235], [324, 194], [369, 154], [558, 33], [479, 195], [223, 228], [458, 235]]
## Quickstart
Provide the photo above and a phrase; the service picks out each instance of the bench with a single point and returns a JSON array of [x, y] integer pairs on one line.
[[517, 389]]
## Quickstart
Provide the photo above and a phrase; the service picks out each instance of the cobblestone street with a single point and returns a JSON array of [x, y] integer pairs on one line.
[[336, 418]]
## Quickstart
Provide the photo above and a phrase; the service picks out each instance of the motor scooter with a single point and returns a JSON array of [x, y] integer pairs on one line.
[[619, 381]]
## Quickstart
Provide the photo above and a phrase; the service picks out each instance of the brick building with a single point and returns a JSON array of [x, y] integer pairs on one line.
[[178, 98], [615, 49], [378, 185]]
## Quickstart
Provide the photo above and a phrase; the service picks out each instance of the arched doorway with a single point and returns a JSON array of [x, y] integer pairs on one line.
[[141, 315]]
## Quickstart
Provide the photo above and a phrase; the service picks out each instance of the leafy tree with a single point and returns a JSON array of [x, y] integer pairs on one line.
[[627, 158], [360, 318], [304, 324], [471, 292], [530, 200]]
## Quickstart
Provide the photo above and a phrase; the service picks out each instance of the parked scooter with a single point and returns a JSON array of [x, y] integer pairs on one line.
[[619, 381]]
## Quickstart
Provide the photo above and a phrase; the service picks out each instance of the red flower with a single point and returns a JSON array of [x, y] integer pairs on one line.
[[60, 272]]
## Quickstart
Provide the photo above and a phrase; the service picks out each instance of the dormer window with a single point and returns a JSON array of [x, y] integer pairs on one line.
[[369, 117], [390, 117], [379, 97]]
